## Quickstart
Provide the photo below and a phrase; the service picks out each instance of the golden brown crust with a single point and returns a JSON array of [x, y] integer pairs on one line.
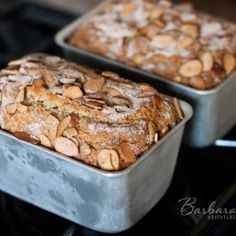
[[170, 40], [108, 123]]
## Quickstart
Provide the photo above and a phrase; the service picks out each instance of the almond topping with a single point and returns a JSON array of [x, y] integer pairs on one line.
[[108, 159], [207, 61], [185, 42], [178, 108], [70, 132], [147, 91], [45, 141], [190, 29], [66, 147], [126, 153], [11, 109], [151, 131], [20, 96], [21, 108], [163, 132], [52, 124], [191, 68], [17, 62], [156, 138], [229, 63], [49, 78], [110, 74], [67, 80], [9, 72], [93, 103], [73, 92], [155, 13], [85, 149], [25, 136], [162, 41], [94, 85], [150, 30], [138, 59], [63, 125], [128, 8], [38, 83]]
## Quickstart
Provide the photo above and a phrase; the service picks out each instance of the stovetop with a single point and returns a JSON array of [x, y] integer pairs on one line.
[[202, 176]]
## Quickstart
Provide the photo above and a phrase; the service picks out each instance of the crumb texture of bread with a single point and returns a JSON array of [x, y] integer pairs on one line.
[[170, 40], [96, 117]]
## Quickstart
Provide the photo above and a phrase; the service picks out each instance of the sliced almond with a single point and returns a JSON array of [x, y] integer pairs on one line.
[[112, 91], [128, 9], [138, 60], [148, 5], [9, 72], [67, 80], [147, 91], [207, 61], [119, 101], [198, 83], [191, 68], [190, 29], [45, 141], [25, 136], [110, 74], [63, 125], [155, 13], [38, 83], [185, 42], [70, 132], [156, 138], [151, 131], [94, 103], [162, 41], [73, 92], [66, 147], [126, 153], [49, 78], [20, 96], [17, 62], [94, 85], [11, 109], [85, 149], [178, 108], [21, 108], [52, 123], [108, 159], [159, 23], [150, 30], [75, 140], [229, 63], [163, 132]]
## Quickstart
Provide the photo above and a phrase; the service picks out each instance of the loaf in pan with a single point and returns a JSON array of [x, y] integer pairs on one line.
[[96, 117], [169, 40]]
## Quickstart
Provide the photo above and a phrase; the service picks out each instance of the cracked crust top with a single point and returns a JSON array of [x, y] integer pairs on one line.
[[97, 117], [170, 40]]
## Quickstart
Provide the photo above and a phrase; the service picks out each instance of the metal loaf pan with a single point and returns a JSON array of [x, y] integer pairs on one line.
[[214, 109], [103, 201]]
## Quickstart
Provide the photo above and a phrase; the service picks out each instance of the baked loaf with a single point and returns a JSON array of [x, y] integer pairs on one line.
[[170, 40], [98, 118]]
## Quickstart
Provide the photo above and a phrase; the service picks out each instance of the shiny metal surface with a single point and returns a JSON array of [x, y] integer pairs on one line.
[[103, 201], [214, 110]]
